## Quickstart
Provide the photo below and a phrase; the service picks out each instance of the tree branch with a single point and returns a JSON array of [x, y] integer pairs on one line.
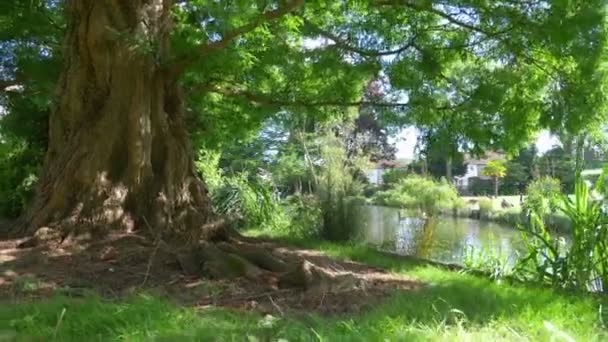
[[343, 44], [268, 100], [211, 47], [447, 16]]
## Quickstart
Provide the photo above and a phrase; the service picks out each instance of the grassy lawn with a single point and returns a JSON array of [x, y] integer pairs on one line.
[[452, 306]]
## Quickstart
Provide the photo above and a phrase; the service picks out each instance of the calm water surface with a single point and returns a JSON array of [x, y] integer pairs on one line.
[[444, 239]]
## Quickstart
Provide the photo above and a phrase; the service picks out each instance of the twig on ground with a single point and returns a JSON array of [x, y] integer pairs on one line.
[[322, 299], [151, 260], [224, 301], [276, 306]]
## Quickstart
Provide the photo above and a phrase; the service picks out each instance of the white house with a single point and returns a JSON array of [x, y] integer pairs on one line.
[[374, 175], [475, 168]]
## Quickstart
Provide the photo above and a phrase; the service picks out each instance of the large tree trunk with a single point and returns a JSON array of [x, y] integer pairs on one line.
[[118, 154], [448, 168]]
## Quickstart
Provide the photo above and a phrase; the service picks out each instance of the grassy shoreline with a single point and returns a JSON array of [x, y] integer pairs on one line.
[[451, 306]]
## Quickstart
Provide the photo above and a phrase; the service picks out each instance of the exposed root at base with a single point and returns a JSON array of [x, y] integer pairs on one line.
[[235, 272], [236, 258]]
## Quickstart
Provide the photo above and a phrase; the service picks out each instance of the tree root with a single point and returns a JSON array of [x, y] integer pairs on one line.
[[229, 256], [235, 259]]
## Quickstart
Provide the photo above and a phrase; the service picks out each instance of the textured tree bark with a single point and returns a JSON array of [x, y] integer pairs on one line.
[[118, 154]]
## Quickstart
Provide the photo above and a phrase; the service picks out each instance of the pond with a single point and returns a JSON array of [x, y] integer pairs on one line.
[[444, 239]]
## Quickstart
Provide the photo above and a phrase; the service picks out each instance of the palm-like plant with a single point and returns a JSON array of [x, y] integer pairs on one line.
[[496, 169], [586, 261]]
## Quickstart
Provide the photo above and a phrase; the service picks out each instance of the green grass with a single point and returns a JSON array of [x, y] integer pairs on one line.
[[453, 306]]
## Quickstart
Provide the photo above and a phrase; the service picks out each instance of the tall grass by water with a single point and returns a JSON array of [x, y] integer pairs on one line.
[[584, 264]]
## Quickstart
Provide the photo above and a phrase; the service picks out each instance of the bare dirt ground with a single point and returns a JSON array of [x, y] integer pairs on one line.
[[120, 265]]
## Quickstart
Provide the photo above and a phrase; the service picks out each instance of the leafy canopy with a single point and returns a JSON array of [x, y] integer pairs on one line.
[[496, 71]]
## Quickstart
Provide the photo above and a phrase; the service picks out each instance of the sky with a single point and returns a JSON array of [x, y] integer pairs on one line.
[[406, 142]]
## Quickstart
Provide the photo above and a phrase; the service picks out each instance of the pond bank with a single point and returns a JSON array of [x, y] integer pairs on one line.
[[511, 217]]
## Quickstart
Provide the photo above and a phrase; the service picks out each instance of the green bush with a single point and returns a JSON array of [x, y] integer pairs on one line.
[[337, 184], [421, 194], [207, 165], [393, 176], [543, 195], [302, 217], [252, 202], [481, 186], [586, 260], [19, 167], [370, 190], [486, 208], [511, 216]]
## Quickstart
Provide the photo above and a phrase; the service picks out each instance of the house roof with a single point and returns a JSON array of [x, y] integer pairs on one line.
[[386, 164], [484, 159]]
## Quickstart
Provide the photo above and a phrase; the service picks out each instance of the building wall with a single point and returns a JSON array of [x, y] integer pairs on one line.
[[375, 176]]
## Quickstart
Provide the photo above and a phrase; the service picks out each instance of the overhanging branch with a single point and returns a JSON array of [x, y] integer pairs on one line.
[[271, 101], [268, 100], [211, 47], [345, 45], [447, 16]]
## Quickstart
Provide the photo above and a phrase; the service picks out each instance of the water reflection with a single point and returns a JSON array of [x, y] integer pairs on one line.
[[441, 239]]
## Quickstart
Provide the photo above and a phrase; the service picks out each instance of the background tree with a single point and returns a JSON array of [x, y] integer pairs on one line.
[[558, 163], [521, 170], [497, 170]]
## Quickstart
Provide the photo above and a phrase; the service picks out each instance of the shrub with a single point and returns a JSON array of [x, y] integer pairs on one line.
[[336, 185], [481, 186], [420, 193], [302, 216], [393, 176], [252, 202], [370, 190], [19, 166], [543, 195], [486, 208], [207, 165], [549, 260]]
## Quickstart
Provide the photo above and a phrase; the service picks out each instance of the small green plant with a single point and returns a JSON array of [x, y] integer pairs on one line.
[[303, 217], [489, 259]]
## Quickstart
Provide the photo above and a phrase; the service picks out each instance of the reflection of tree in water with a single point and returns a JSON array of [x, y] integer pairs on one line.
[[425, 238], [411, 235], [441, 239]]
